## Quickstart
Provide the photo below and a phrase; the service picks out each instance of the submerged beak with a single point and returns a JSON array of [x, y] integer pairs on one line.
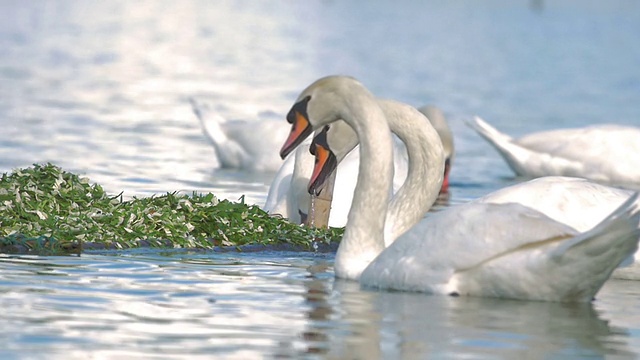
[[300, 127], [445, 182], [325, 165]]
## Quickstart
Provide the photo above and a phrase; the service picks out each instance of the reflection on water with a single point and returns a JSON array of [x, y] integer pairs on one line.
[[280, 305], [102, 89], [407, 325]]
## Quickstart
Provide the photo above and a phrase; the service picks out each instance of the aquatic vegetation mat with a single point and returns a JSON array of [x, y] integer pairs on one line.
[[44, 209]]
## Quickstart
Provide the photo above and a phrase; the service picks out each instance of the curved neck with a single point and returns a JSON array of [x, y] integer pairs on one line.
[[425, 172], [363, 238]]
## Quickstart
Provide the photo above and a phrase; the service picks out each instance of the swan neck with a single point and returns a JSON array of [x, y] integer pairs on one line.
[[363, 238], [425, 169]]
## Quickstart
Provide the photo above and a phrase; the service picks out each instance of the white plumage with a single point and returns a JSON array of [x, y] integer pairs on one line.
[[603, 153], [242, 144], [480, 248]]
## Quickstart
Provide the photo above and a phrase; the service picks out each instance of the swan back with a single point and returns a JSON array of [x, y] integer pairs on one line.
[[602, 149], [599, 152], [574, 201]]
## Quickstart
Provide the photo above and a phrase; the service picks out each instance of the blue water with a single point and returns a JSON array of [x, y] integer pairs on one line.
[[102, 89], [174, 303]]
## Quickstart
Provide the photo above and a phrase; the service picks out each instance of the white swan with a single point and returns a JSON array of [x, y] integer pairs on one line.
[[601, 153], [576, 202], [248, 145], [288, 195], [482, 249]]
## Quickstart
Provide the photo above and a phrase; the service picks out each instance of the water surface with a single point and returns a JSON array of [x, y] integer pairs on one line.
[[102, 89], [284, 305]]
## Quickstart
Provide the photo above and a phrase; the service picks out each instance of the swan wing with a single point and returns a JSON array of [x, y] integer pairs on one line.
[[458, 238], [614, 226], [572, 269], [507, 250], [577, 202]]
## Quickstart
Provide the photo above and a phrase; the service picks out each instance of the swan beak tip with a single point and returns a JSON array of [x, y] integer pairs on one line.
[[300, 130]]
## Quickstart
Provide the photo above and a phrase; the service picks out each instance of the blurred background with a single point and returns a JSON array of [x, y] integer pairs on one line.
[[102, 88]]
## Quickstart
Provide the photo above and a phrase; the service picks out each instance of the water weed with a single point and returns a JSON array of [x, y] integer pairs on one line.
[[44, 207]]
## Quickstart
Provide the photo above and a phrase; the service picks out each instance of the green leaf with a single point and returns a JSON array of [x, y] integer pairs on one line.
[[44, 200]]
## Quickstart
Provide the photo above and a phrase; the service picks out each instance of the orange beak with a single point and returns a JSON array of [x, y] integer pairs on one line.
[[325, 164], [300, 127]]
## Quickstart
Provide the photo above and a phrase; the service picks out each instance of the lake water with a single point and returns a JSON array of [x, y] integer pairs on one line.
[[102, 89]]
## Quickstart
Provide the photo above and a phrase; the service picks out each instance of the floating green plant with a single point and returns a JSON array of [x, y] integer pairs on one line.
[[44, 207]]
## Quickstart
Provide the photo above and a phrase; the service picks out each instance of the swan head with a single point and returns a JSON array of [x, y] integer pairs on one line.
[[325, 163], [329, 146], [316, 107], [439, 122]]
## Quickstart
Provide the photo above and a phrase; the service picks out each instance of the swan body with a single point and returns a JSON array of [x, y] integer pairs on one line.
[[480, 248], [600, 153], [537, 259], [576, 202], [288, 195], [240, 144]]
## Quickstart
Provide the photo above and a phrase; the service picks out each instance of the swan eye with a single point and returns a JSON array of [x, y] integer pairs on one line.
[[300, 107], [320, 138]]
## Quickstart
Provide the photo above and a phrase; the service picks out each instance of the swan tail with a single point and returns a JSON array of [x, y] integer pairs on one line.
[[620, 227], [487, 131], [597, 252], [203, 110], [230, 154], [210, 122], [521, 160]]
